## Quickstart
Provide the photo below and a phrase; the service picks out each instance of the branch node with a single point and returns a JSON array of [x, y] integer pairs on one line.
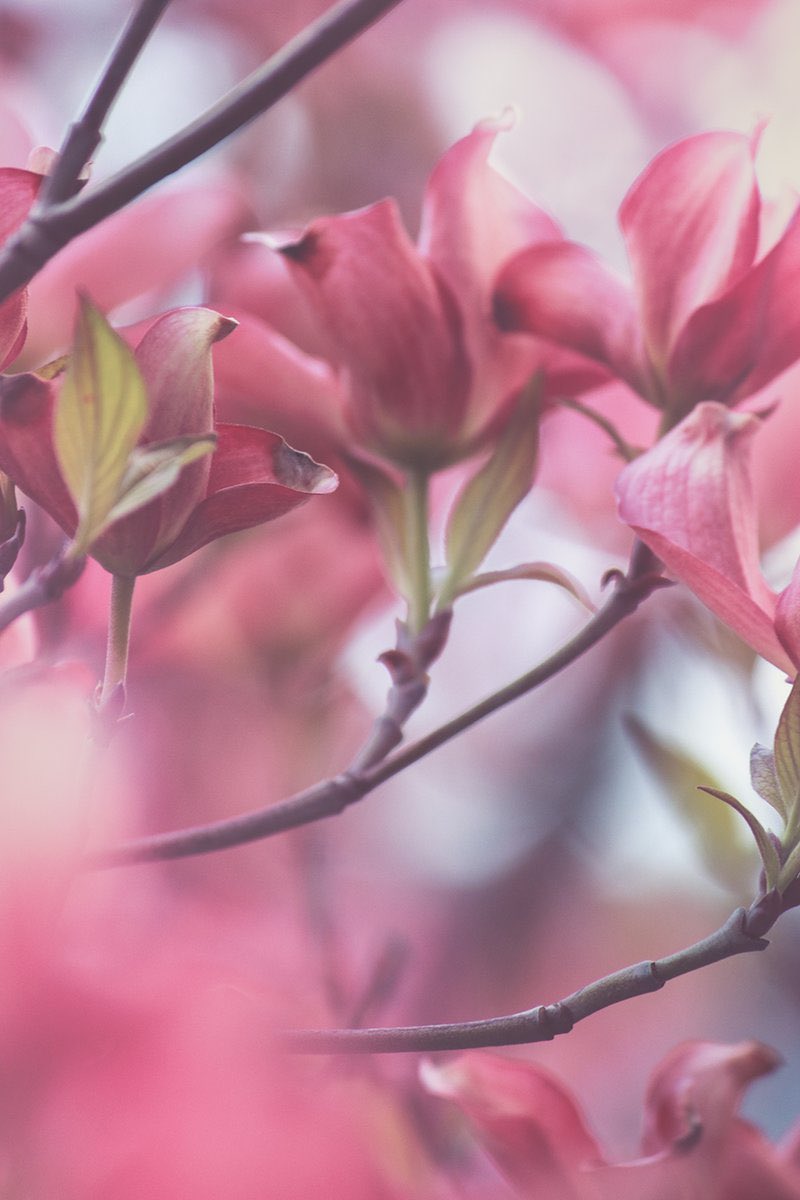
[[753, 923], [647, 977], [552, 1020]]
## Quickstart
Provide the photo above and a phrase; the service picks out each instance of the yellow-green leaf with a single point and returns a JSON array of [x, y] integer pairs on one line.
[[100, 414], [542, 572], [386, 497], [490, 497], [766, 848], [713, 826], [153, 469], [787, 758]]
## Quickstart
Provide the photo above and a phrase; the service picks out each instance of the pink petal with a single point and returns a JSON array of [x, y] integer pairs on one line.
[[473, 221], [529, 1123], [396, 328], [263, 379], [26, 445], [13, 327], [174, 357], [737, 344], [17, 193], [787, 617], [473, 218], [697, 1089], [690, 499], [691, 223], [255, 477], [561, 292]]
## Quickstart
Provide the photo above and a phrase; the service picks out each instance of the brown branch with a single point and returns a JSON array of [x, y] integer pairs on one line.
[[85, 133], [43, 586], [48, 231], [332, 796], [741, 934]]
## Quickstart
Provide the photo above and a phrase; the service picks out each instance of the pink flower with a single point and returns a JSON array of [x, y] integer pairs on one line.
[[691, 500], [252, 477], [425, 372], [694, 1146], [709, 316], [17, 192]]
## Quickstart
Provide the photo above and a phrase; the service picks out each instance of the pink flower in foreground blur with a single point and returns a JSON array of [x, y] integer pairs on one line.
[[425, 371], [252, 477], [17, 192], [694, 1146], [691, 500], [709, 315]]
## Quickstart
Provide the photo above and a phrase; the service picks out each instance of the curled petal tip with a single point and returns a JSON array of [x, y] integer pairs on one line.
[[298, 470], [226, 326], [503, 122]]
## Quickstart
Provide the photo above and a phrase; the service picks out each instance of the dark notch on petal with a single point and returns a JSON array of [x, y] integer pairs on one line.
[[309, 253], [298, 470], [22, 398], [504, 312]]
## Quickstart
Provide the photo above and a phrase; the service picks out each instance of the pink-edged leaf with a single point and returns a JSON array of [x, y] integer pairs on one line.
[[562, 292], [27, 454], [764, 778], [691, 224], [396, 327], [690, 499], [255, 477], [737, 344], [528, 1122], [787, 759]]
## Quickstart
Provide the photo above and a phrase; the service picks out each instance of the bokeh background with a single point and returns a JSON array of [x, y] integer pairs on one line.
[[536, 852]]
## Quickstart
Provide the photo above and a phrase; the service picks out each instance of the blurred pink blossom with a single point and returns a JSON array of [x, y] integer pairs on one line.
[[694, 1145]]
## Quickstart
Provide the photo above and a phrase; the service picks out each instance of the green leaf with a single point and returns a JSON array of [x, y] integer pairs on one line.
[[489, 498], [153, 469], [766, 848], [541, 571], [787, 757], [764, 778], [388, 506], [714, 828], [101, 412]]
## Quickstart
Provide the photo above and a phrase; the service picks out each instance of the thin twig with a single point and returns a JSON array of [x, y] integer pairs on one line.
[[741, 934], [330, 797], [42, 586], [85, 134], [45, 233]]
